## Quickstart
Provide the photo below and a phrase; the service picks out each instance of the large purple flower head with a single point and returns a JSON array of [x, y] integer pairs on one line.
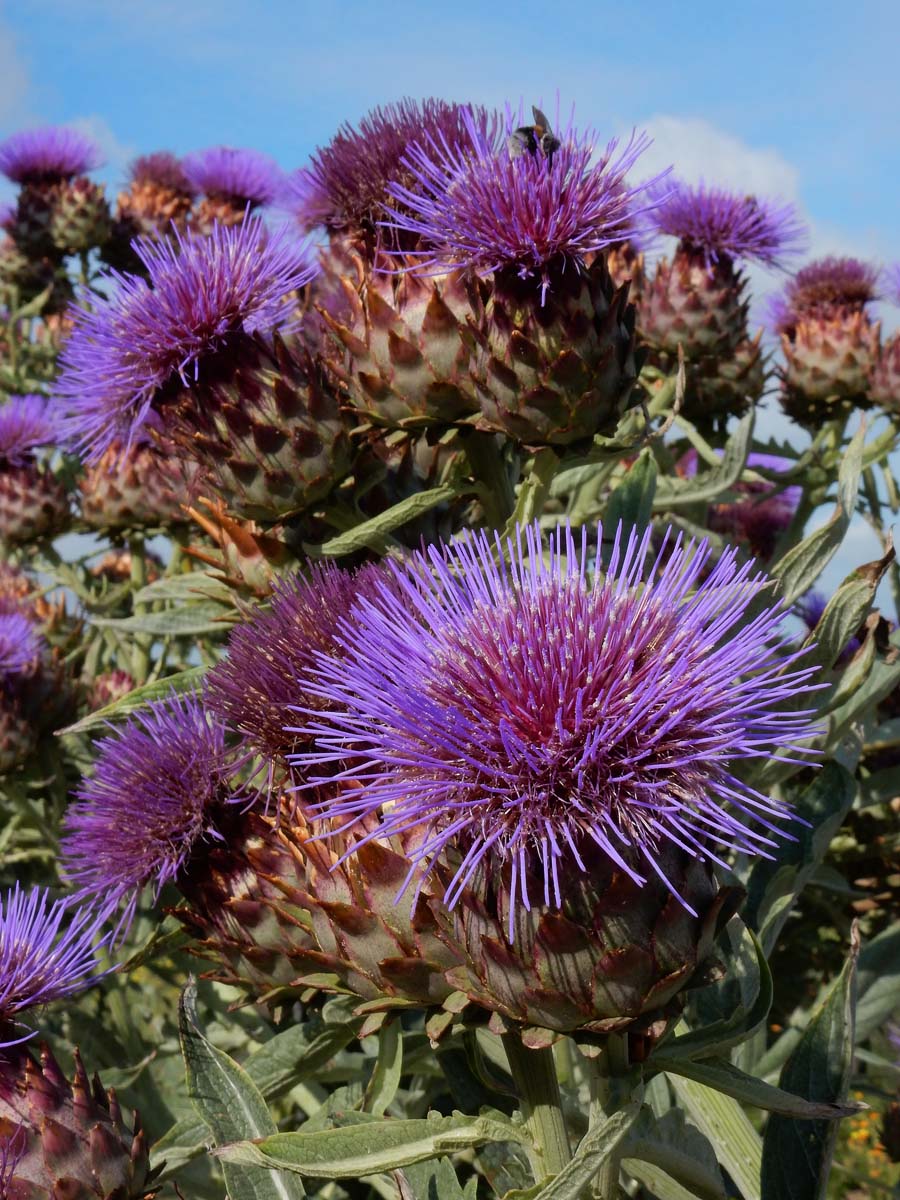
[[21, 646], [241, 177], [48, 155], [26, 422], [528, 213], [827, 287], [157, 784], [531, 716], [719, 224], [48, 950], [126, 346], [161, 169], [345, 187], [268, 657]]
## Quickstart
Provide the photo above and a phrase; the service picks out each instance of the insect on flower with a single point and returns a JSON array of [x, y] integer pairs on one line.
[[528, 139]]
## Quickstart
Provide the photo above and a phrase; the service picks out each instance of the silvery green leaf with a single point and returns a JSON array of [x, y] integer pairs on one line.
[[231, 1106], [797, 1154]]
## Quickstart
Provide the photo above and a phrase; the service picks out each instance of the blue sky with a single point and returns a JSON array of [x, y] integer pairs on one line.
[[785, 98]]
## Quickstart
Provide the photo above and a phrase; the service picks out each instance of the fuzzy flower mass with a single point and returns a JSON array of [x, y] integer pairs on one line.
[[20, 645], [252, 686], [719, 224], [157, 781], [345, 185], [161, 169], [824, 288], [45, 952], [48, 155], [241, 176], [490, 211], [525, 713], [25, 424], [129, 344]]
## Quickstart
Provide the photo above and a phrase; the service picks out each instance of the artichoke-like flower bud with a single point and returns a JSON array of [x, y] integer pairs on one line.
[[45, 163], [555, 360], [143, 487], [202, 352], [107, 688], [549, 733], [764, 510], [698, 301], [66, 1139], [81, 219], [33, 503], [160, 782], [828, 338], [233, 182], [399, 346], [278, 914], [158, 195]]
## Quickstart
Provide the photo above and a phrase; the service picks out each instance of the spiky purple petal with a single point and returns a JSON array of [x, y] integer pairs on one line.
[[21, 646], [26, 422], [157, 781], [241, 176], [718, 224], [480, 209], [48, 155], [346, 183], [125, 346], [48, 950], [521, 711]]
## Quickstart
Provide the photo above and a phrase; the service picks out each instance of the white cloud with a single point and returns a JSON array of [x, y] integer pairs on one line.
[[699, 150]]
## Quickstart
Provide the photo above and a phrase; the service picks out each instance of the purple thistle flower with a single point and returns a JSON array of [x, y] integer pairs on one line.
[[157, 782], [48, 155], [44, 955], [824, 288], [346, 184], [25, 424], [268, 657], [240, 176], [162, 169], [527, 712], [21, 646], [199, 291], [717, 224], [475, 208]]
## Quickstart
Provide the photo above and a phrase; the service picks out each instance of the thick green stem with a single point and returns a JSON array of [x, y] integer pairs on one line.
[[611, 1088], [534, 1073]]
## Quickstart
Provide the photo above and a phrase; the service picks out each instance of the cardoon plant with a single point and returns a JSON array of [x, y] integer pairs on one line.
[[555, 741], [555, 357], [828, 338], [233, 182], [400, 345], [33, 503], [202, 352], [699, 300], [59, 211]]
